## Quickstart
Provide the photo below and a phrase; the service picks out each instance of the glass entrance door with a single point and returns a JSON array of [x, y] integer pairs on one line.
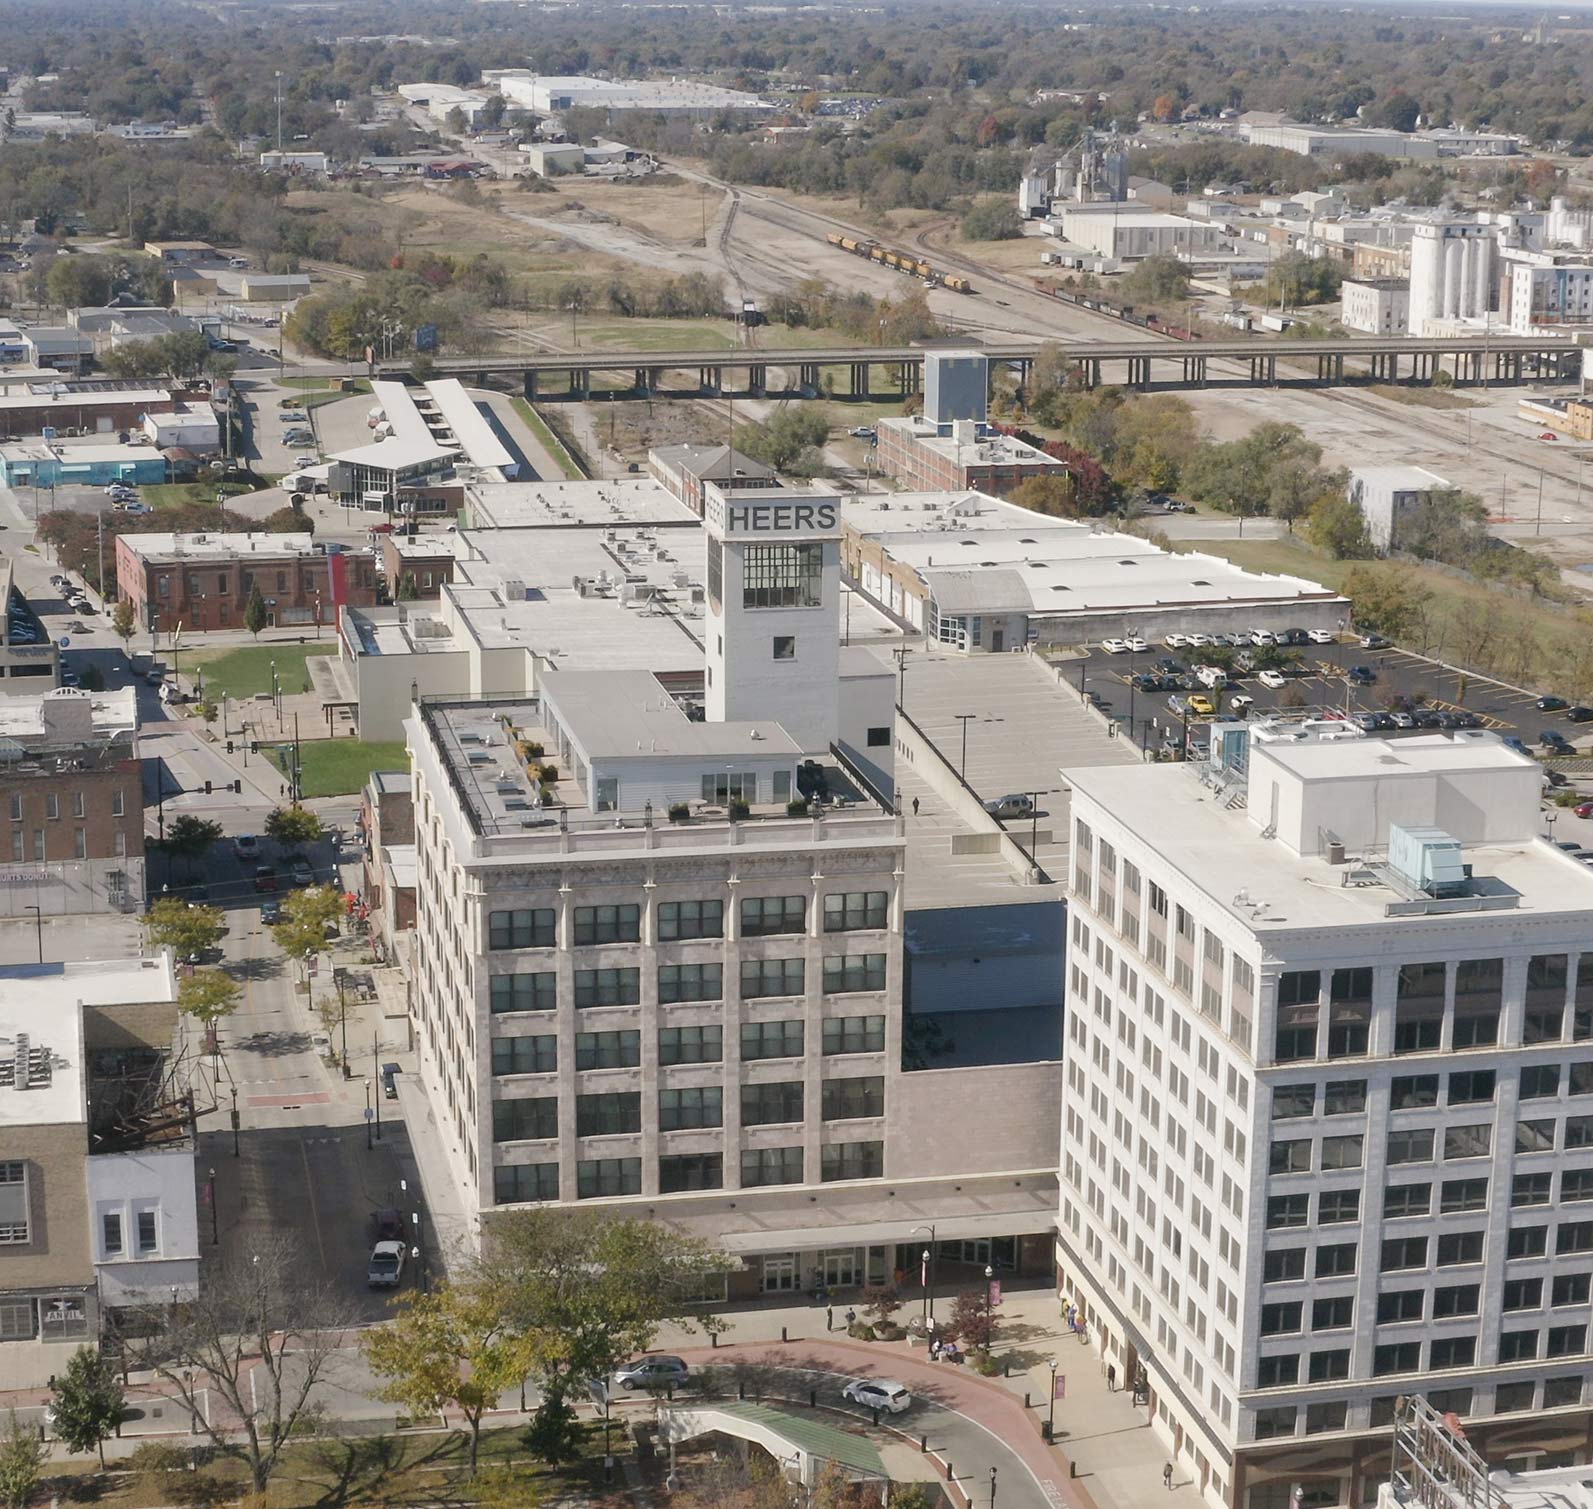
[[779, 1273]]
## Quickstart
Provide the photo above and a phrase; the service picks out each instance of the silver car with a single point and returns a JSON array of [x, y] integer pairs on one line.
[[652, 1372]]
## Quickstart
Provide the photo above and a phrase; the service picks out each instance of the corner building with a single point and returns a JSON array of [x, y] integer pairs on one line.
[[1328, 1107]]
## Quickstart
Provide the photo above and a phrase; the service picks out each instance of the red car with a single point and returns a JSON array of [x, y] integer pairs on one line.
[[1585, 810], [265, 878], [1548, 435]]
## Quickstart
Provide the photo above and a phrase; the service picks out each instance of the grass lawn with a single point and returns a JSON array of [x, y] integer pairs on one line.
[[373, 1470], [341, 767], [246, 670], [174, 494], [554, 446]]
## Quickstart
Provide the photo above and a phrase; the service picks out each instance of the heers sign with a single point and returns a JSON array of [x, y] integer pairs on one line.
[[779, 518]]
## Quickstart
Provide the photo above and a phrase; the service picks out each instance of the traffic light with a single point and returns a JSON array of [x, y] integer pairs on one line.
[[207, 788], [229, 746]]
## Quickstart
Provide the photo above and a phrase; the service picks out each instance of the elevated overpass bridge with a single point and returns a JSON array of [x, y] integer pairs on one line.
[[1142, 363]]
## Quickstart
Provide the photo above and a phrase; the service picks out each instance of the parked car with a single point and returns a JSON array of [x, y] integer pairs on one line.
[[154, 678], [652, 1372], [1136, 645], [1202, 705], [1240, 703], [270, 913], [246, 846], [1579, 714], [386, 1266], [1361, 675], [1552, 738], [1273, 679], [299, 871], [1375, 642], [1262, 637], [883, 1394], [1168, 666], [1585, 809], [1403, 720], [1551, 704], [1114, 646], [1176, 641], [1320, 636], [863, 432], [1293, 636], [1014, 804], [1200, 639], [265, 877], [1547, 435], [390, 1073], [1211, 676], [387, 1224]]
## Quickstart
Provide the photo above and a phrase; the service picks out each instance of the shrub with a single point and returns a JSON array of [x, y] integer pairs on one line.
[[860, 1330], [529, 750], [739, 809], [797, 807], [679, 812], [549, 775]]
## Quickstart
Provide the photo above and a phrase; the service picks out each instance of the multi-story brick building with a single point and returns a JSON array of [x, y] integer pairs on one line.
[[1328, 1109], [200, 582], [72, 800], [958, 455]]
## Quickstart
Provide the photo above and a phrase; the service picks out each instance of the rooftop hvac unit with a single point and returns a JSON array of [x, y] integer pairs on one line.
[[514, 589], [1428, 858]]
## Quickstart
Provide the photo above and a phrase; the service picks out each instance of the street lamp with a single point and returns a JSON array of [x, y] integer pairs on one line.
[[962, 765], [368, 1143], [990, 1328], [931, 1262], [1050, 1429], [215, 1224]]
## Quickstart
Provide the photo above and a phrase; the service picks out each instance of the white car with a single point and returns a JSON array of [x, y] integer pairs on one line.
[[1114, 646], [882, 1394], [1198, 639], [246, 846], [1321, 636], [1136, 645], [1274, 679], [304, 461], [1211, 676], [1240, 703], [1176, 641], [1263, 636], [386, 1266]]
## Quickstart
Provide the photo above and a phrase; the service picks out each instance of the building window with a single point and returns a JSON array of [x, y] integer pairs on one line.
[[690, 1045], [1344, 1097], [1335, 1206], [687, 1171], [1279, 1419], [522, 992], [782, 576], [1334, 1314], [1527, 1241], [853, 911], [766, 1105], [610, 1113], [1289, 1101], [1531, 1189], [1336, 1259], [1518, 1346], [1540, 1081], [519, 1183], [1572, 1236], [852, 1160], [18, 1320], [52, 804], [1400, 1253], [1419, 1008], [1544, 1017], [1473, 1141], [1407, 1200], [1349, 1012], [1459, 1195], [15, 1211], [111, 1233], [1293, 1157], [853, 1098], [604, 1178], [1570, 1289], [690, 982], [1328, 1367], [1576, 1184], [525, 1120], [1457, 1247], [1455, 1299], [1276, 1320], [608, 1050], [1512, 1398], [770, 1165], [1479, 994], [1396, 1305], [148, 1225], [1276, 1372], [608, 987], [1414, 1146], [118, 804], [761, 978], [1558, 1392], [80, 843], [1287, 1211], [525, 1055], [525, 928], [1472, 1087], [1398, 1357], [16, 807], [854, 1034], [1283, 1264], [1333, 1414], [785, 646], [879, 738], [607, 924], [77, 804], [766, 916], [62, 1316], [690, 919], [772, 1039], [851, 973], [697, 1106], [1523, 1294]]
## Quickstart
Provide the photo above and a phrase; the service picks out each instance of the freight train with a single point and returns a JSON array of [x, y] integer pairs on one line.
[[915, 267]]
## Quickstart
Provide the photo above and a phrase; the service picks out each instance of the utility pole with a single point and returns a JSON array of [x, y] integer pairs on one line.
[[298, 769], [381, 1089], [279, 109], [99, 519]]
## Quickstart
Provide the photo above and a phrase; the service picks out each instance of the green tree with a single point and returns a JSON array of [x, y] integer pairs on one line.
[[124, 619], [79, 282], [452, 1348], [407, 590], [302, 932], [255, 616], [189, 837], [1336, 525], [1049, 495], [21, 1463], [184, 929], [1162, 279], [782, 439], [293, 827], [1385, 599], [992, 220], [207, 995], [88, 1401]]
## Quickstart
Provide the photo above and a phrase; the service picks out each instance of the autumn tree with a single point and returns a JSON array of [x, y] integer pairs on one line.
[[124, 619]]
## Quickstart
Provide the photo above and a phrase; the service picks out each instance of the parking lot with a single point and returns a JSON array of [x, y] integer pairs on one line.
[[1321, 679]]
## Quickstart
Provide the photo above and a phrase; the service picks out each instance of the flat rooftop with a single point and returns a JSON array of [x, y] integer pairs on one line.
[[458, 411], [988, 450], [32, 719], [41, 1030], [565, 505], [1220, 852], [188, 547]]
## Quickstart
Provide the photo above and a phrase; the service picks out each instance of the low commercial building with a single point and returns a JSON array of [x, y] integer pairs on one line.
[[387, 829], [301, 164], [550, 94], [553, 159], [683, 469], [1346, 141], [87, 405], [975, 574], [86, 463], [1131, 232], [73, 796], [1548, 292], [420, 566], [205, 581], [1387, 493], [58, 348], [192, 427], [97, 1200], [440, 100], [960, 455], [1377, 306], [273, 288], [30, 661], [183, 253]]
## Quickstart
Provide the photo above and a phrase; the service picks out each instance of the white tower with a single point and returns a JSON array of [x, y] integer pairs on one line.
[[773, 625]]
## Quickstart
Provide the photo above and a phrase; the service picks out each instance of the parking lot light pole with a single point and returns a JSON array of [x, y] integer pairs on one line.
[[368, 1116], [1050, 1430], [962, 765]]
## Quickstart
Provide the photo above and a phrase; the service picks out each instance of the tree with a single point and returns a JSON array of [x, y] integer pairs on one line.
[[258, 1339], [21, 1463], [190, 837], [590, 1290], [207, 995], [992, 220], [1385, 599], [455, 121], [302, 932], [1337, 525], [455, 1347], [292, 827], [172, 923], [1053, 495], [972, 1321], [79, 282], [255, 616], [88, 1401], [407, 590], [206, 711], [124, 619], [1162, 279], [882, 1301]]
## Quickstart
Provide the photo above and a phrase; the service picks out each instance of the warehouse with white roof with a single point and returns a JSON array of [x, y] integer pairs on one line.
[[977, 574]]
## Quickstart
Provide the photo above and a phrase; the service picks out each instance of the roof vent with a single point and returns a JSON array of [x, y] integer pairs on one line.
[[1427, 859]]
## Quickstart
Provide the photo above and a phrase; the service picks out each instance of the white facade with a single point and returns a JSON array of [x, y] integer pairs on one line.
[[1451, 272], [191, 427], [773, 621], [1568, 227], [1549, 293], [1385, 493], [1379, 306], [1129, 233], [1328, 1116], [313, 163], [144, 1225]]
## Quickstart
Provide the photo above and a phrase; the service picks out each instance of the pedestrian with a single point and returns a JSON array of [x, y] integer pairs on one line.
[[1111, 1379], [934, 1349], [915, 806], [829, 1317], [851, 1318], [1167, 1477]]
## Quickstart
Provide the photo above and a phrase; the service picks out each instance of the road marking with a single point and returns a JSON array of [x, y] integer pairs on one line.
[[289, 1102], [315, 1215]]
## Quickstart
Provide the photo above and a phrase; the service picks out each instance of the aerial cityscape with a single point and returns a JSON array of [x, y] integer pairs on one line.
[[806, 756]]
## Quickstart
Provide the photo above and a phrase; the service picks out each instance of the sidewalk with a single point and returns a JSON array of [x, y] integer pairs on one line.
[[1106, 1439]]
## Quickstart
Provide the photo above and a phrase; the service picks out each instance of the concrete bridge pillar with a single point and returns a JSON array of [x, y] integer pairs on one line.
[[808, 377], [529, 384], [860, 380], [710, 380], [757, 380], [580, 382]]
